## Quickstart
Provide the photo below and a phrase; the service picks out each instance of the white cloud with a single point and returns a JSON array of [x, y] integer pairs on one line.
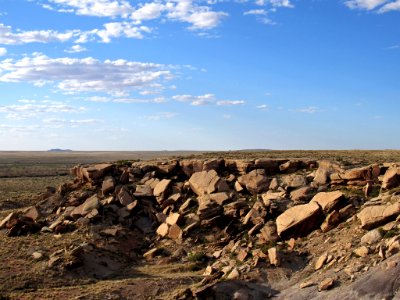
[[381, 6], [188, 11], [364, 4], [263, 107], [74, 123], [73, 75], [148, 11], [125, 100], [161, 115], [3, 51], [395, 5], [76, 49], [206, 99], [230, 102], [275, 3], [8, 37], [308, 110], [30, 109], [200, 17], [118, 29], [195, 100], [98, 8], [255, 12]]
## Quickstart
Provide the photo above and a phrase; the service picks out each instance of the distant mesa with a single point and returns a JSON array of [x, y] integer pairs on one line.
[[59, 150]]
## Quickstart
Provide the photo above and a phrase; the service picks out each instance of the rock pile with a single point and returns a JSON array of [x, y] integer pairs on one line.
[[238, 212]]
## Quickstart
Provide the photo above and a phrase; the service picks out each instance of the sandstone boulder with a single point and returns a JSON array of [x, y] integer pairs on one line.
[[291, 166], [293, 181], [161, 189], [108, 185], [86, 207], [391, 178], [373, 216], [298, 220], [207, 182], [325, 168], [329, 200], [301, 194], [239, 166], [371, 237], [189, 167], [91, 173], [124, 197], [255, 182]]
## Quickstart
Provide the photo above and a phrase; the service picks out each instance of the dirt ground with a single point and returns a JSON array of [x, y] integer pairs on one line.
[[25, 175]]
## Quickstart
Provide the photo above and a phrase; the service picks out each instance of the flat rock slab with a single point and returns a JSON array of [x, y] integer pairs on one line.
[[328, 200], [207, 182], [373, 216], [298, 220]]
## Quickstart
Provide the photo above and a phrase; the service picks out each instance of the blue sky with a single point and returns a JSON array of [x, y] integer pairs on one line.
[[199, 75]]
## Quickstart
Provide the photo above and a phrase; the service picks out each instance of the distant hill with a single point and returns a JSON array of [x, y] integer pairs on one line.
[[59, 150]]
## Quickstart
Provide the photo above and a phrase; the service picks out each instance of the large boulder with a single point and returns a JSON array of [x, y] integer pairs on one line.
[[256, 181], [161, 189], [391, 178], [298, 220], [207, 182], [357, 176], [293, 181], [373, 216], [239, 166], [108, 185], [91, 173], [325, 168], [329, 200], [189, 167], [86, 207], [301, 194]]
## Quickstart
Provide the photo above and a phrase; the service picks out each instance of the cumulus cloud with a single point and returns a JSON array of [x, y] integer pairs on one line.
[[3, 51], [73, 75], [230, 102], [188, 11], [380, 6], [395, 5], [255, 12], [118, 29], [364, 4], [275, 3], [76, 49], [195, 100], [268, 6], [97, 8], [10, 37]]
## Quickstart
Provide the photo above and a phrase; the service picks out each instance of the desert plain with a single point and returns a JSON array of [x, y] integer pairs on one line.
[[200, 225]]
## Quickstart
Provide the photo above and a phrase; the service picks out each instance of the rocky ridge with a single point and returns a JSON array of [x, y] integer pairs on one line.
[[254, 228]]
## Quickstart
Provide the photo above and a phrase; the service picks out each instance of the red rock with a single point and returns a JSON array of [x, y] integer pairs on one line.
[[298, 220], [124, 197], [328, 200], [207, 182], [256, 181]]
